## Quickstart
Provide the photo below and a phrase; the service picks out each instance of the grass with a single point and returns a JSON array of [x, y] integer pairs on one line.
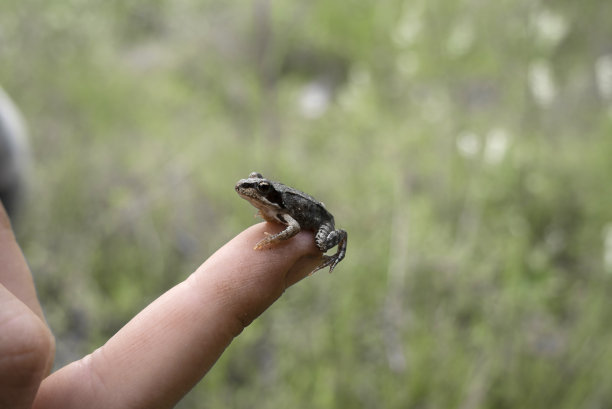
[[476, 207]]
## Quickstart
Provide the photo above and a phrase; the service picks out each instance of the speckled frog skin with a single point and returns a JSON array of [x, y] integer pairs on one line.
[[298, 211]]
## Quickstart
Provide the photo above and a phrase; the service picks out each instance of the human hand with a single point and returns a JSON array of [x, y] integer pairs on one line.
[[157, 357]]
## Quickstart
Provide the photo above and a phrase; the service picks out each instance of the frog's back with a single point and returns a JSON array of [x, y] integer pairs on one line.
[[308, 211]]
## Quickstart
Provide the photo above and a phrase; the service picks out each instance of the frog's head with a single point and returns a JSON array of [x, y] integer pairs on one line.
[[260, 192]]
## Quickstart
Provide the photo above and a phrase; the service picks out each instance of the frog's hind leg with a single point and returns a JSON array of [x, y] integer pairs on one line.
[[326, 239], [293, 228]]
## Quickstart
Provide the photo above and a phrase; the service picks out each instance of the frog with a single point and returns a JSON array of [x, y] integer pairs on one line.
[[279, 203]]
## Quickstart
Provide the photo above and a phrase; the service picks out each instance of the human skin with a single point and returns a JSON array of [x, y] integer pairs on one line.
[[159, 355]]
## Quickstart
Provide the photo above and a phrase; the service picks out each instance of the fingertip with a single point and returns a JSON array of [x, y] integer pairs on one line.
[[295, 258], [248, 281], [303, 268]]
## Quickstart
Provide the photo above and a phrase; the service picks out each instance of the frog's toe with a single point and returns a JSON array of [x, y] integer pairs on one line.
[[270, 239], [328, 261], [333, 262], [262, 243]]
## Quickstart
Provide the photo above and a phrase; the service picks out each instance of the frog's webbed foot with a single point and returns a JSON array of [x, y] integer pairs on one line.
[[293, 228], [326, 239]]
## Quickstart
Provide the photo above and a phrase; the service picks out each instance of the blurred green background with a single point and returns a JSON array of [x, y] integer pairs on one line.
[[464, 145]]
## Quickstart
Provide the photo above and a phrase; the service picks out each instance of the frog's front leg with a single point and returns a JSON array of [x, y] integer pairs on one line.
[[293, 228]]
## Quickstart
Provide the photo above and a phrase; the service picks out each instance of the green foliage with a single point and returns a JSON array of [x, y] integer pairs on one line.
[[465, 148]]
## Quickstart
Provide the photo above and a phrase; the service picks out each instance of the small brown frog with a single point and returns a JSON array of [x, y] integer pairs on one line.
[[298, 211]]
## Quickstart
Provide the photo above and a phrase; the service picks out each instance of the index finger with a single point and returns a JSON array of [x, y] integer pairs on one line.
[[161, 353]]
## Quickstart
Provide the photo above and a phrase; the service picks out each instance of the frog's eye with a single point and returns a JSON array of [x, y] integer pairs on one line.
[[263, 187]]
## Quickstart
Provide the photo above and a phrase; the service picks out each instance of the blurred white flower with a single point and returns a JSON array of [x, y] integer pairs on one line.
[[408, 29], [603, 76], [607, 247], [314, 99], [541, 83], [468, 144], [496, 145], [550, 28], [461, 39]]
